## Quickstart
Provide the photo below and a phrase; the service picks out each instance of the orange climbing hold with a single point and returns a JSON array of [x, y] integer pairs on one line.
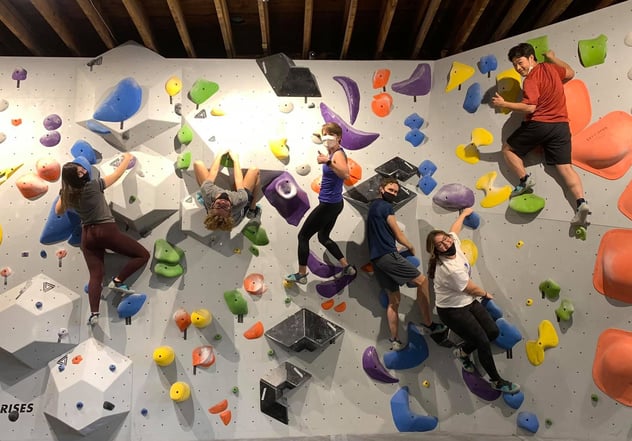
[[77, 359], [612, 366], [327, 305], [219, 407], [355, 173], [380, 78], [578, 105], [255, 331], [367, 268], [612, 276], [316, 184], [382, 104], [341, 307], [182, 319], [16, 121], [625, 201], [226, 416]]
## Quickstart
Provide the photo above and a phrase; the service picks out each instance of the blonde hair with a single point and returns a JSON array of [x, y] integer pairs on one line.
[[216, 221]]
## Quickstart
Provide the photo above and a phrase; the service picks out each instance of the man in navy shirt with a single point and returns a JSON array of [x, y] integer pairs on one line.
[[391, 269]]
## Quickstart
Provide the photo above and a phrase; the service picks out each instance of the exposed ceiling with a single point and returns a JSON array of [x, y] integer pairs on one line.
[[302, 29]]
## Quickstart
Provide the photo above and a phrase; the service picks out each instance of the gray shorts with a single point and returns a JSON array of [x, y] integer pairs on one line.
[[392, 271]]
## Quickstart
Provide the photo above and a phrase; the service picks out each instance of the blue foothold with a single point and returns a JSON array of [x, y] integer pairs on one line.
[[427, 184], [427, 168], [38, 305], [79, 405], [528, 421], [414, 121], [43, 254], [61, 367], [144, 412], [112, 367], [415, 137], [85, 288], [473, 221]]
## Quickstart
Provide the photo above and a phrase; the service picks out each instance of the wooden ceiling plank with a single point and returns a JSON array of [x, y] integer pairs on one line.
[[181, 24], [264, 24], [51, 14], [18, 26], [515, 11], [433, 7], [141, 21], [92, 10], [388, 11], [475, 12], [223, 17], [603, 4], [307, 27], [552, 12], [351, 9]]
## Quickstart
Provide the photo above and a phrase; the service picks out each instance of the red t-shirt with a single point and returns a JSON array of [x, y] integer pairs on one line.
[[543, 88]]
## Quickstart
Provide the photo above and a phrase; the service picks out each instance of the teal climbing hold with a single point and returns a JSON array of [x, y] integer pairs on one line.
[[550, 289], [565, 310], [527, 203]]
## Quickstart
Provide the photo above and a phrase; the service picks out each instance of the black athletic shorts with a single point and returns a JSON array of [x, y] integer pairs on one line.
[[555, 139]]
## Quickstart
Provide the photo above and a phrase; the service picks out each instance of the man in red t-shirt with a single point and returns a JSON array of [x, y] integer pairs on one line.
[[545, 124]]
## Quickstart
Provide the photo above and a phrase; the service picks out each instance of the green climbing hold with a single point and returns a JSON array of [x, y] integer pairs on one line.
[[202, 90], [288, 300], [184, 161], [166, 270], [548, 422], [218, 337], [255, 233], [540, 46], [565, 310], [594, 398], [271, 352], [166, 253], [254, 250], [226, 161], [132, 199], [550, 289], [235, 390], [593, 52], [527, 203], [236, 302], [185, 135], [581, 233]]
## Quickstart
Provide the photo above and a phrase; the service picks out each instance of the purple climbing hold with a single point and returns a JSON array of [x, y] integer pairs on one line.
[[479, 387], [319, 268], [454, 196], [52, 122], [418, 84], [292, 209], [374, 368], [353, 95], [330, 288], [51, 139], [352, 139]]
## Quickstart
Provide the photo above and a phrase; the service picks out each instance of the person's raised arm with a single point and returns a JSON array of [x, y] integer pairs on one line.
[[400, 237], [239, 175], [458, 223], [118, 171], [569, 73], [339, 165]]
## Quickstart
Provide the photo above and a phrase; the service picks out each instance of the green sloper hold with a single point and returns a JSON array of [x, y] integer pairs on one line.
[[236, 302], [527, 203], [184, 161], [254, 250], [593, 52], [164, 252], [255, 233], [202, 90], [541, 46], [185, 135], [226, 161], [550, 289], [565, 310], [167, 270]]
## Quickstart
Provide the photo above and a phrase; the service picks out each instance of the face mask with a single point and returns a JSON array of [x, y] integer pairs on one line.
[[85, 178], [328, 140], [388, 197], [223, 195], [450, 251]]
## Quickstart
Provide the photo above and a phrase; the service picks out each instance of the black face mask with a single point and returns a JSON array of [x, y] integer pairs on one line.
[[450, 251], [85, 178], [389, 197], [223, 196]]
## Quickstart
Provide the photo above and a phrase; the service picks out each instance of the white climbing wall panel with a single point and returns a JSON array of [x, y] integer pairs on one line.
[[339, 398]]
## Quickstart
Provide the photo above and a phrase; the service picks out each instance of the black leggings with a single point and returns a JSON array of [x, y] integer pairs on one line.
[[321, 220], [477, 329], [95, 239]]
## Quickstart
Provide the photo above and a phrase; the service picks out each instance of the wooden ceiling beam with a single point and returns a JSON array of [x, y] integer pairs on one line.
[[603, 4], [515, 11], [552, 12], [50, 12], [223, 17], [433, 7], [92, 10], [18, 26], [141, 21], [181, 24], [388, 11], [264, 24], [307, 27], [351, 9], [473, 16]]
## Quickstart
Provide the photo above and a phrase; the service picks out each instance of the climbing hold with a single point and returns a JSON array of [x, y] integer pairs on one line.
[[514, 400], [352, 91], [255, 233], [79, 405], [594, 398], [202, 90], [130, 305], [167, 270], [180, 391], [219, 407], [547, 338], [254, 284], [426, 184], [164, 355], [173, 86], [581, 233], [217, 337], [473, 98], [529, 302], [493, 195], [470, 250], [509, 86], [201, 318], [352, 139], [519, 244], [527, 203], [19, 74], [271, 353], [202, 356], [481, 137], [487, 64], [593, 52], [418, 84], [122, 102], [108, 405], [255, 331], [404, 419], [236, 302], [341, 307], [355, 173], [38, 305], [454, 196], [303, 169], [382, 104], [144, 412], [472, 221], [374, 368], [468, 153], [13, 416], [612, 365], [50, 139], [112, 368], [253, 250], [459, 73], [183, 161], [548, 422], [414, 121], [52, 122], [183, 320], [540, 47], [528, 421], [380, 78], [415, 137], [185, 135], [427, 168], [565, 310], [4, 104], [226, 416], [550, 289], [493, 309], [286, 107], [508, 336], [48, 169], [279, 148], [235, 390], [425, 383]]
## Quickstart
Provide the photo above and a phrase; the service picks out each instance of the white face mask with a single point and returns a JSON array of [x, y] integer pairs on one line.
[[328, 140]]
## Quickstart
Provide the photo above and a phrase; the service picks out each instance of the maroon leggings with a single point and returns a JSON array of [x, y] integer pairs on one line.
[[95, 239]]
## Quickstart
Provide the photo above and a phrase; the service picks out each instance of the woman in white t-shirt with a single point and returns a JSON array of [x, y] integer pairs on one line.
[[456, 299]]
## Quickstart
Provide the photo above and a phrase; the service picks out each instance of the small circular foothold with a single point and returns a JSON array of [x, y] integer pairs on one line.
[[218, 337], [529, 302], [235, 390], [287, 284], [236, 250], [288, 300], [519, 244], [14, 415], [79, 405], [43, 254], [38, 305], [144, 412], [112, 367], [271, 352], [594, 398], [61, 367], [548, 422], [426, 383]]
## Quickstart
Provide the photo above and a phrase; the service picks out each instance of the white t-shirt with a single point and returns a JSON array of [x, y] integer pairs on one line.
[[451, 277]]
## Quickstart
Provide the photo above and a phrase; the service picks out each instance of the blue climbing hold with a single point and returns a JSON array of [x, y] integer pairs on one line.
[[404, 419], [43, 254], [96, 127], [414, 121], [85, 288], [473, 221], [473, 98], [83, 148], [426, 184], [122, 102], [415, 352], [59, 227], [514, 400], [528, 421], [492, 308], [415, 137], [509, 334], [427, 168], [130, 305], [487, 63]]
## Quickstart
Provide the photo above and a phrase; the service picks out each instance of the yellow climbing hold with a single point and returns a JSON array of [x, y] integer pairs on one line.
[[529, 302], [173, 86], [481, 137], [217, 111], [459, 74], [279, 148], [519, 244], [470, 250], [426, 383], [547, 338], [493, 195], [201, 318], [468, 153], [7, 172], [509, 86], [180, 391], [164, 355]]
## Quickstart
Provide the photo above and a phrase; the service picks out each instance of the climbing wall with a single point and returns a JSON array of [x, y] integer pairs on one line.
[[517, 252]]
